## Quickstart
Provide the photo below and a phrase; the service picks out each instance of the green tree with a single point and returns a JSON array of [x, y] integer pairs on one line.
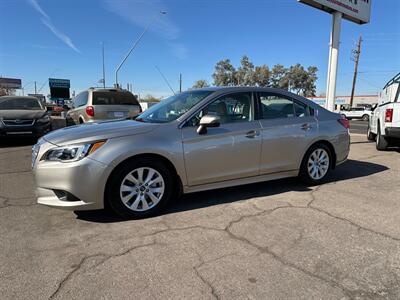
[[150, 98], [262, 76], [279, 77], [245, 73], [201, 83], [309, 87], [224, 74]]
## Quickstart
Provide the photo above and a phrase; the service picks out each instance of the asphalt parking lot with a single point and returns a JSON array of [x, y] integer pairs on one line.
[[274, 240]]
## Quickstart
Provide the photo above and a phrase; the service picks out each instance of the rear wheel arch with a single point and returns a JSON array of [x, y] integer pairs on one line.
[[331, 150]]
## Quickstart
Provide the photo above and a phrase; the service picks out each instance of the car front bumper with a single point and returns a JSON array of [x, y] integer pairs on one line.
[[37, 129], [392, 132], [73, 185]]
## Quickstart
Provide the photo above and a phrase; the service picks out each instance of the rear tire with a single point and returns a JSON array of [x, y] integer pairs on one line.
[[316, 164], [365, 117], [381, 142], [139, 188], [370, 136]]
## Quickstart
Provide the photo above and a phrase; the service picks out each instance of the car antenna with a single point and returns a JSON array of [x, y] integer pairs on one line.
[[166, 81]]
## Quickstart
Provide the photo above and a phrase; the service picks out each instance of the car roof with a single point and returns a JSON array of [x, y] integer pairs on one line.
[[18, 97], [240, 89]]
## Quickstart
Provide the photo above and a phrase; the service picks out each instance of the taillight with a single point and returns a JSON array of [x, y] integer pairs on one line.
[[344, 122], [389, 115], [90, 111]]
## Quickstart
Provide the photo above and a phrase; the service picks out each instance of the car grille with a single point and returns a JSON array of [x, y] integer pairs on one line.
[[18, 122]]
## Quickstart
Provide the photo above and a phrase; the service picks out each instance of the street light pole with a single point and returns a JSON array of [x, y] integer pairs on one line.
[[104, 71], [135, 44]]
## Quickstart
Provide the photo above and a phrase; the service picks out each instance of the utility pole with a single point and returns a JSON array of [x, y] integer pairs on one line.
[[35, 88], [180, 83], [356, 58]]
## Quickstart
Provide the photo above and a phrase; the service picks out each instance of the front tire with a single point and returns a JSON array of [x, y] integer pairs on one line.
[[365, 117], [316, 164], [381, 142], [139, 188]]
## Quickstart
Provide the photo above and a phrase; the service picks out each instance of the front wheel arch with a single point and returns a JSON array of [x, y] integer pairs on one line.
[[178, 187]]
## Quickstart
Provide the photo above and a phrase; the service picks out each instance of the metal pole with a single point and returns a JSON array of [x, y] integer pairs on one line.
[[35, 88], [135, 44], [353, 88], [104, 71], [180, 83], [333, 61]]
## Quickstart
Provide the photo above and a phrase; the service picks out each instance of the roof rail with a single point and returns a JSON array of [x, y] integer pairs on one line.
[[395, 79]]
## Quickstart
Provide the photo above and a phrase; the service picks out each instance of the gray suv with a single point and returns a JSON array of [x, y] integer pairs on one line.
[[103, 104]]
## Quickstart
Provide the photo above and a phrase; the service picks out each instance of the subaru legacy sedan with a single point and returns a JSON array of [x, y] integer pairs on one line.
[[194, 141]]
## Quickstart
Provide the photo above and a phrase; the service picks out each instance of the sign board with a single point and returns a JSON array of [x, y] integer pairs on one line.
[[358, 11], [60, 102], [59, 83], [10, 83], [59, 88]]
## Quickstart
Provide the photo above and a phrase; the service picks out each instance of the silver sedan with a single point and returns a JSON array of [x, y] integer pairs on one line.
[[194, 141]]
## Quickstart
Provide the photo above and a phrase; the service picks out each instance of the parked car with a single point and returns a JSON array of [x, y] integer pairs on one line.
[[362, 113], [102, 104], [384, 124], [194, 141], [23, 116]]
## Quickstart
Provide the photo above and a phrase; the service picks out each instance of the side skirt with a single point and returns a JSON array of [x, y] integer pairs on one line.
[[241, 181]]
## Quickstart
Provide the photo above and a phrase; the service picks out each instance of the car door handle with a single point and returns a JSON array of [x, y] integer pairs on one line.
[[252, 134], [306, 127]]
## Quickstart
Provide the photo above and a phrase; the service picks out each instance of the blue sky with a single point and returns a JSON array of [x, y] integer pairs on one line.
[[62, 39]]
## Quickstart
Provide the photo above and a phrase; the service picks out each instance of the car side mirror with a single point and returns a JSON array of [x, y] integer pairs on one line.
[[208, 121]]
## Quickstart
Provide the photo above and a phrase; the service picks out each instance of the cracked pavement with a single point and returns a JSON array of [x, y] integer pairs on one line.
[[272, 240]]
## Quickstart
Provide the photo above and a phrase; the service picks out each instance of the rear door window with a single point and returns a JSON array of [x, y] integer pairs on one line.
[[114, 98]]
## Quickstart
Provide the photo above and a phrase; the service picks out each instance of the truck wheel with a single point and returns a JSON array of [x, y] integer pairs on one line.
[[370, 135], [365, 117], [381, 142]]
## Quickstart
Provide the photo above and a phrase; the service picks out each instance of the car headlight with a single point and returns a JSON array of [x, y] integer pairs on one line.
[[71, 153], [44, 119]]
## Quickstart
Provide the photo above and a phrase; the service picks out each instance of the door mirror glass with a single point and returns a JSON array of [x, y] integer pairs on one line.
[[208, 121]]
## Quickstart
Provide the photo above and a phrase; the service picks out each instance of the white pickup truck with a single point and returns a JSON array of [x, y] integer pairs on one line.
[[384, 123]]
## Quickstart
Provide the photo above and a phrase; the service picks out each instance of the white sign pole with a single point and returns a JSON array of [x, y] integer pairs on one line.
[[333, 61]]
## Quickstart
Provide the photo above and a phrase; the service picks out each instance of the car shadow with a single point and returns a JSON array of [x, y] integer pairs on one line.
[[17, 141], [349, 170]]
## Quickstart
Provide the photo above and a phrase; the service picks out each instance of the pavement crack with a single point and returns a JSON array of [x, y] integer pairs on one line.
[[104, 257]]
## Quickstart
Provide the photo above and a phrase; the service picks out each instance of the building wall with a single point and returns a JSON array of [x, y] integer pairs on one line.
[[345, 100]]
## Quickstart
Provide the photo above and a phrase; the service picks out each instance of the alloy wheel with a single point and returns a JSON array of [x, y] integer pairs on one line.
[[142, 189], [318, 164]]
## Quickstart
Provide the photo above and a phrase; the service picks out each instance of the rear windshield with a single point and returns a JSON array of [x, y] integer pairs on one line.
[[20, 103], [114, 98]]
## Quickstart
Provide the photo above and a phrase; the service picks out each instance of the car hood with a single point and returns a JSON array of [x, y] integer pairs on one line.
[[97, 131], [21, 114]]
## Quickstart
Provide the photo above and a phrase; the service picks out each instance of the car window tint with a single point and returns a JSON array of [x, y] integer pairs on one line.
[[114, 98], [301, 110], [81, 99], [276, 106], [231, 108]]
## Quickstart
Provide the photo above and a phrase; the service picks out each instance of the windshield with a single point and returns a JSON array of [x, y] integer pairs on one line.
[[173, 107], [20, 103]]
